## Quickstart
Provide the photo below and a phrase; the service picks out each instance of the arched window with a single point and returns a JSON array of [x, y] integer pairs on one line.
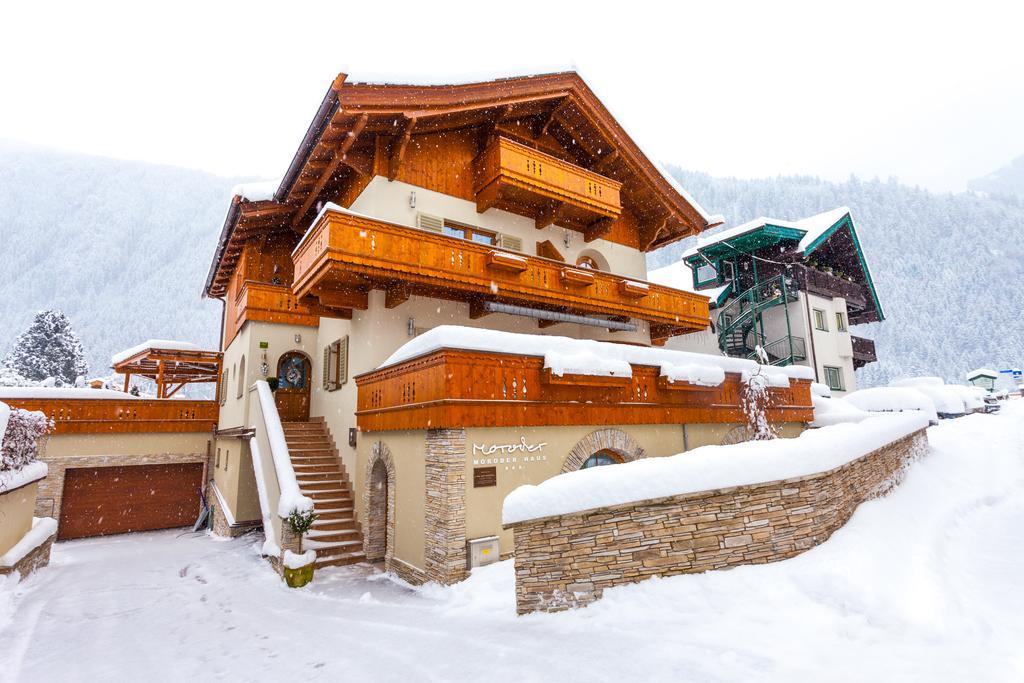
[[241, 378], [587, 262], [600, 459]]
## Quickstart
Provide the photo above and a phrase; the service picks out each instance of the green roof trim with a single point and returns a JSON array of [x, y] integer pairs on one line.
[[758, 238], [847, 222]]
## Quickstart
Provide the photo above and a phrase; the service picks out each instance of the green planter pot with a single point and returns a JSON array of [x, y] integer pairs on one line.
[[297, 578]]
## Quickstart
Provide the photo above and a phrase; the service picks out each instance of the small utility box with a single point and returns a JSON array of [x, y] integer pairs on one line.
[[483, 551]]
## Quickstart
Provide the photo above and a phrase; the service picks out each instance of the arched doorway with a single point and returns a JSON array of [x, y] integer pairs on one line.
[[293, 385], [377, 513], [379, 503], [601, 458]]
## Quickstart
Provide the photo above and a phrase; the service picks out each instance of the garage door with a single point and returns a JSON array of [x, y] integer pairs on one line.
[[115, 500]]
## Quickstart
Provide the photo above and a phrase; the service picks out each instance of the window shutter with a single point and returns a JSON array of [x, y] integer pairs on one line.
[[430, 222], [509, 242], [342, 361], [327, 368]]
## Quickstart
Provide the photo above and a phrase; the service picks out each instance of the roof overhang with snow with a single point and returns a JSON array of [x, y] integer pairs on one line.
[[360, 124]]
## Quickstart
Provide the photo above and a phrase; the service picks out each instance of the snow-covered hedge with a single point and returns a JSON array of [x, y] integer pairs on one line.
[[22, 431], [893, 400]]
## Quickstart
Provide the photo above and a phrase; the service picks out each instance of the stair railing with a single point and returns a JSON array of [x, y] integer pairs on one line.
[[275, 476], [784, 351], [743, 311]]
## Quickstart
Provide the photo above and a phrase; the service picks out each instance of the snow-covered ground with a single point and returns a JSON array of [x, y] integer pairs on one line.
[[926, 584]]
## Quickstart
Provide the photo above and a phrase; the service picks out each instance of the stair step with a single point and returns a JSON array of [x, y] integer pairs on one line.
[[320, 475], [341, 560], [328, 514], [332, 535], [339, 524], [302, 468], [326, 548], [322, 486]]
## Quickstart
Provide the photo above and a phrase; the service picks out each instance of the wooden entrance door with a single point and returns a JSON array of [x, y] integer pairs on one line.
[[114, 500], [293, 384]]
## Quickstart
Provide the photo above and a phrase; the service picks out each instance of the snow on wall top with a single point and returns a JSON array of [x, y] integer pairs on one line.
[[892, 399], [153, 344], [812, 227], [12, 479], [708, 468], [586, 356], [64, 393]]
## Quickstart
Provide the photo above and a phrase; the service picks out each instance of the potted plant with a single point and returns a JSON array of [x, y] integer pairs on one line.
[[298, 567], [272, 381]]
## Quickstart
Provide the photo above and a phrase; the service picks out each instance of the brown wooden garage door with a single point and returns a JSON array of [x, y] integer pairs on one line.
[[115, 500]]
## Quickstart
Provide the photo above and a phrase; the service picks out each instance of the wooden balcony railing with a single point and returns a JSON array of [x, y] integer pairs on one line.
[[345, 251], [824, 284], [270, 303], [863, 351], [516, 178], [455, 388], [113, 416]]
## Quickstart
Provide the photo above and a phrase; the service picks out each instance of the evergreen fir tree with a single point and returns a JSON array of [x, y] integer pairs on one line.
[[48, 348]]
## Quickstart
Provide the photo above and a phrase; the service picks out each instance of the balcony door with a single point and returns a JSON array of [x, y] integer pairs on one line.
[[293, 384]]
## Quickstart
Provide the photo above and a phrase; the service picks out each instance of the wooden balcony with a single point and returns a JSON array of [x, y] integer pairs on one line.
[[274, 304], [455, 388], [516, 178], [344, 255], [824, 284], [863, 351], [113, 416]]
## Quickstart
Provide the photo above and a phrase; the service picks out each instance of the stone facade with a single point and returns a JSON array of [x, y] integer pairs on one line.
[[379, 518], [406, 572], [37, 559], [614, 440], [445, 511], [567, 561]]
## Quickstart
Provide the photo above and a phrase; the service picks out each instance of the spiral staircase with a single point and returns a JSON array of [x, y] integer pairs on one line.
[[740, 330]]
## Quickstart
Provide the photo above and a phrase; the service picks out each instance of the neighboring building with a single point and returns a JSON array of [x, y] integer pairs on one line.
[[793, 288], [511, 206], [984, 378]]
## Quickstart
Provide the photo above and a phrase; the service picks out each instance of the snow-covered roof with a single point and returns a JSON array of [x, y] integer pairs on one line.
[[257, 191], [166, 344], [678, 275], [63, 393], [982, 372], [813, 227], [590, 357], [708, 468]]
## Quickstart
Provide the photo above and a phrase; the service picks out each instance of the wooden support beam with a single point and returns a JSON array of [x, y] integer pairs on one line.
[[360, 162], [127, 381], [477, 310], [160, 380], [546, 323], [173, 391], [332, 167], [548, 250], [488, 130], [398, 147], [549, 215], [597, 229], [650, 232], [544, 122], [396, 293], [343, 298], [601, 164]]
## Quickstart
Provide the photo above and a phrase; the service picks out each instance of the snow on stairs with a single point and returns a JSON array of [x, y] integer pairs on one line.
[[335, 536]]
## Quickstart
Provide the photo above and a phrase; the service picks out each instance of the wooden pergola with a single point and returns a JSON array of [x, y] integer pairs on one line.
[[172, 369]]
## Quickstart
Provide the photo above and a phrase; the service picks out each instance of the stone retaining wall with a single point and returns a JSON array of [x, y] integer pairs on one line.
[[568, 560]]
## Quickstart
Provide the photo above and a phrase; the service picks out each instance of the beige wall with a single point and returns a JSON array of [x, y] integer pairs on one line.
[[408, 452], [832, 348], [16, 508], [232, 472]]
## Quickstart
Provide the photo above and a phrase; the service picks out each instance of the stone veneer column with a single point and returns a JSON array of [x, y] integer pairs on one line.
[[444, 522]]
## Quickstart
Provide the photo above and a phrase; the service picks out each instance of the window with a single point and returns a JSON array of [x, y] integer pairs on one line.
[[820, 321], [840, 322], [468, 232], [227, 459], [600, 459], [336, 364], [705, 274], [217, 465], [834, 378], [224, 387], [587, 263], [241, 378]]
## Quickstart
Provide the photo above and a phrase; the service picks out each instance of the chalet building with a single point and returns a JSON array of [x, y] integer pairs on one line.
[[793, 288], [449, 286]]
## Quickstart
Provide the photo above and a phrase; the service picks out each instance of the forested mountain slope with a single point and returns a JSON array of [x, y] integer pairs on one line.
[[121, 247]]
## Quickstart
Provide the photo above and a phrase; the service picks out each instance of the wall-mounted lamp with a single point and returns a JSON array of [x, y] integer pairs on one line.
[[352, 432], [412, 199], [411, 327], [298, 339], [566, 238]]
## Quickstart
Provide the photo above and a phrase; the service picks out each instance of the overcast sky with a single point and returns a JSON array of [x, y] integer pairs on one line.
[[930, 93]]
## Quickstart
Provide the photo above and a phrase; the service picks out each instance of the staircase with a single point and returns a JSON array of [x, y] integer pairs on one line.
[[740, 335], [335, 536]]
